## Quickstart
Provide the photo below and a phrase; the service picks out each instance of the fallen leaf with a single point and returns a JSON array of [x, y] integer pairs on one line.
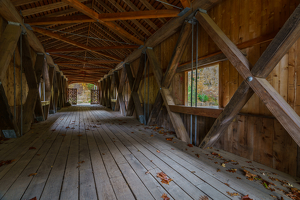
[[232, 170], [38, 154], [158, 151], [31, 148], [169, 139], [218, 170], [63, 134], [103, 153], [81, 162], [33, 174], [67, 127], [227, 184], [246, 197], [164, 178], [53, 130], [249, 175], [147, 172], [190, 145], [151, 135], [204, 198], [238, 177], [165, 197], [233, 194], [79, 135], [34, 198], [223, 165]]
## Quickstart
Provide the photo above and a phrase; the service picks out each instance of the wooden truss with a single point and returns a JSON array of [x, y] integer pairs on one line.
[[8, 43], [255, 80]]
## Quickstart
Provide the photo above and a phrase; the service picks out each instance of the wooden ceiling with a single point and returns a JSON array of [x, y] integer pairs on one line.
[[85, 38]]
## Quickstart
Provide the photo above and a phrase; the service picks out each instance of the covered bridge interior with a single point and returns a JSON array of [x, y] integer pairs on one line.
[[195, 99]]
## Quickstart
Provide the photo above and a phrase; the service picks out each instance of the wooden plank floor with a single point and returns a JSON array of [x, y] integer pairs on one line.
[[90, 152]]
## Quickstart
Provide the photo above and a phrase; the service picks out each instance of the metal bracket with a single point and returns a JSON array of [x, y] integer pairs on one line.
[[184, 11], [149, 48], [192, 21], [9, 133], [140, 47], [202, 10], [28, 27], [14, 23]]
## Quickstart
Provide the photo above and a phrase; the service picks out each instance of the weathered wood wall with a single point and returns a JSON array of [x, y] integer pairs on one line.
[[258, 137]]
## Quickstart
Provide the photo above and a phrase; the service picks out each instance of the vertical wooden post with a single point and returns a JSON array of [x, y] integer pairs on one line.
[[108, 97]]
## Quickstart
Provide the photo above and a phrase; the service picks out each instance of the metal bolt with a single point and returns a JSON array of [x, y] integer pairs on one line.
[[250, 78]]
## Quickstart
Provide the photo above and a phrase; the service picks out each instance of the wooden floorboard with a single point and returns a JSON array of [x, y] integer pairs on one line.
[[91, 152]]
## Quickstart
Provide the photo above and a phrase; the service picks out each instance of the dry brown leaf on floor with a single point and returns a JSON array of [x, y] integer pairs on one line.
[[63, 134], [249, 175], [38, 154], [204, 198], [223, 165], [233, 194], [79, 135], [169, 139], [147, 172], [33, 174], [232, 170], [218, 170], [81, 162], [78, 166], [151, 135], [31, 148], [165, 196], [246, 197], [53, 130], [34, 198], [190, 145], [227, 184], [158, 151], [67, 127], [238, 177], [103, 153], [164, 178], [197, 155]]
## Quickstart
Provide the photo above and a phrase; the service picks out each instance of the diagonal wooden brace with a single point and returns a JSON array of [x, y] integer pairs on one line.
[[273, 100]]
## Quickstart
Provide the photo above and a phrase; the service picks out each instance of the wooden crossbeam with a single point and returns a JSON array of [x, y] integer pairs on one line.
[[134, 101], [171, 70], [52, 109], [8, 43], [105, 17], [67, 40], [93, 48], [92, 14], [86, 69], [267, 62], [168, 100], [97, 63]]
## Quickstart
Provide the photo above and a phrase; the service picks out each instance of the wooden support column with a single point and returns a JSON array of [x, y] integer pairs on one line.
[[112, 86], [8, 43], [46, 78], [58, 84], [171, 70], [134, 89], [39, 65], [120, 103], [168, 99], [117, 84], [52, 86], [62, 92], [104, 92], [107, 92], [30, 103], [286, 37]]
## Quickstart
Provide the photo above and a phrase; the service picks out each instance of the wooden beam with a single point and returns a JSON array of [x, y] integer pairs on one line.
[[83, 61], [9, 13], [39, 68], [52, 82], [106, 17], [8, 43], [133, 99], [199, 111], [32, 82], [86, 69], [92, 14], [93, 48], [107, 92], [185, 3], [168, 100], [169, 29], [171, 69], [274, 101], [67, 40], [99, 62], [120, 101]]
